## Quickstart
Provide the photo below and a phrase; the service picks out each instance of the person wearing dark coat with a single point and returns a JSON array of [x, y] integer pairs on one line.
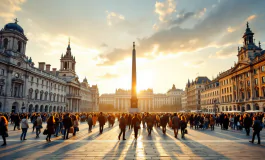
[[163, 123], [16, 121], [122, 126], [50, 127], [129, 123], [101, 120], [222, 120], [191, 121], [67, 123], [3, 129], [256, 130], [136, 125], [247, 124], [225, 122], [90, 123]]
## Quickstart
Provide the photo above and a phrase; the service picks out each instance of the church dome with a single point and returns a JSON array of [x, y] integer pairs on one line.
[[14, 26]]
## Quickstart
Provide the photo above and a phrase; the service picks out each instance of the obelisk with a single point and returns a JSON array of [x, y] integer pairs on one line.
[[134, 100]]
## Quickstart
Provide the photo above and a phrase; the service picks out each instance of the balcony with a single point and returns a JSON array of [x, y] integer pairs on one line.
[[74, 96]]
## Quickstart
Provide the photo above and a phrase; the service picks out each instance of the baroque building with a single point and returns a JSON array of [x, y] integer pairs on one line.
[[23, 87], [147, 99], [242, 87]]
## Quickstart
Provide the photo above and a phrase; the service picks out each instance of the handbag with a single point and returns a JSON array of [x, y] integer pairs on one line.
[[6, 134], [77, 129], [71, 130], [45, 132]]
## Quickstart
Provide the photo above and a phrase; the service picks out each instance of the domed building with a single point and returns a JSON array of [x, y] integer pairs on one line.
[[26, 88]]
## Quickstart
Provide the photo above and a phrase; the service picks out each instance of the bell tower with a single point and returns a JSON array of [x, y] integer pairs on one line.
[[67, 68]]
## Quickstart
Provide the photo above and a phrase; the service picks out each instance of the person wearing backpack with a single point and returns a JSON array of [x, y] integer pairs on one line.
[[256, 130], [24, 127], [136, 125]]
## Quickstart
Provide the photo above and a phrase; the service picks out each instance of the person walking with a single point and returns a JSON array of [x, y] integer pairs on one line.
[[247, 124], [3, 129], [24, 127], [90, 123], [17, 122], [212, 122], [163, 123], [175, 124], [67, 123], [256, 130], [101, 120], [149, 121], [136, 125], [183, 126], [122, 126], [76, 125], [38, 125], [50, 127], [57, 125]]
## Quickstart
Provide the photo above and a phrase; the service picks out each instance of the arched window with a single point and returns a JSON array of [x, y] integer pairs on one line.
[[5, 43], [19, 46], [65, 65]]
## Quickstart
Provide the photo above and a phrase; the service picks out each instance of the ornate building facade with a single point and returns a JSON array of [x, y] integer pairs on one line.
[[147, 100], [241, 88], [193, 93], [23, 87]]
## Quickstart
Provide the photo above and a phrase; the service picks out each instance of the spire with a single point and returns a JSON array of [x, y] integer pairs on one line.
[[247, 25], [259, 45], [133, 45], [62, 55], [69, 42]]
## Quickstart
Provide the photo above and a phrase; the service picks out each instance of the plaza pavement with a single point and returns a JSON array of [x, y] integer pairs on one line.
[[199, 144]]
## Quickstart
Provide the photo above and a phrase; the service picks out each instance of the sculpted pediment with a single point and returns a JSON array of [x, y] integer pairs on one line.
[[240, 66]]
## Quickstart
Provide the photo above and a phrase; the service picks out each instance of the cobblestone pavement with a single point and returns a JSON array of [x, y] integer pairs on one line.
[[198, 144]]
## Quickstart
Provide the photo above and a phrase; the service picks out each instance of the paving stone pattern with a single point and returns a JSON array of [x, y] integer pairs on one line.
[[198, 144]]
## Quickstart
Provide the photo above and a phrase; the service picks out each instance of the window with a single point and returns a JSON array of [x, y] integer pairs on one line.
[[37, 80], [248, 83], [255, 71], [32, 78], [247, 74], [257, 92], [263, 79], [2, 72], [42, 82], [256, 81], [262, 68], [19, 46], [5, 43]]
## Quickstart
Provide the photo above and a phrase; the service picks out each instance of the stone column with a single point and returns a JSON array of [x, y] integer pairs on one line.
[[70, 106]]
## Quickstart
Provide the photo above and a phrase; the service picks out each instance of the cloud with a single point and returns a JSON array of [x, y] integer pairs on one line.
[[181, 18], [103, 45], [193, 64], [251, 17], [165, 9], [8, 9], [201, 13], [210, 31], [114, 18], [108, 76], [227, 51]]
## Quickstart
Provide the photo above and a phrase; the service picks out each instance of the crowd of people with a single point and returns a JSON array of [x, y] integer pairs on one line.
[[65, 123]]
